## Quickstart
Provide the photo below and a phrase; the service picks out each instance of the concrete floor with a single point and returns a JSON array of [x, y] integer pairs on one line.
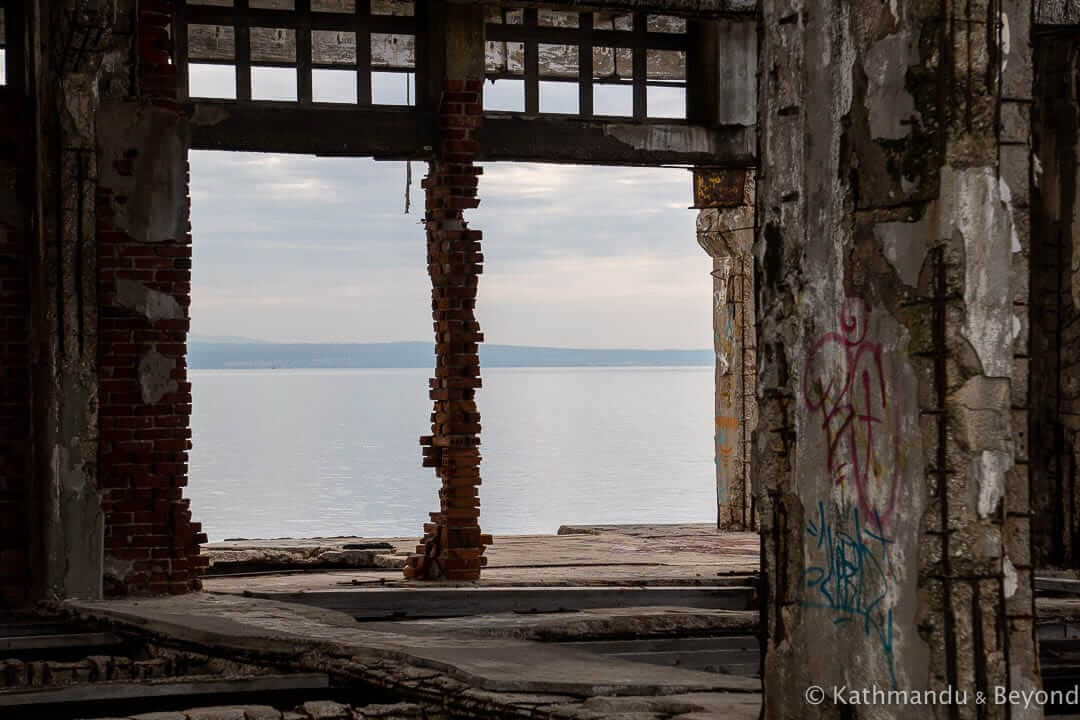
[[469, 669], [599, 555], [493, 658]]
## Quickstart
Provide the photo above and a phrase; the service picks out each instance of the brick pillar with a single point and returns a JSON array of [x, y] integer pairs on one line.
[[453, 544], [726, 234], [144, 286]]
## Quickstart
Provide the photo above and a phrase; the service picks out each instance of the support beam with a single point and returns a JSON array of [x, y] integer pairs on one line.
[[725, 228], [412, 134], [327, 131], [571, 140], [453, 544]]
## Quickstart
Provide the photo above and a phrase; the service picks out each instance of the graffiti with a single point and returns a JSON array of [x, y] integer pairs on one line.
[[727, 441], [845, 381], [725, 393], [724, 341], [852, 576]]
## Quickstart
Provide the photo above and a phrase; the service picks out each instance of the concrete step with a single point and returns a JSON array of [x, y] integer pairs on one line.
[[734, 655], [58, 641], [189, 686], [431, 602]]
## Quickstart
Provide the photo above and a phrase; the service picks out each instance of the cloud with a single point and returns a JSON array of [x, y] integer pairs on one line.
[[305, 248]]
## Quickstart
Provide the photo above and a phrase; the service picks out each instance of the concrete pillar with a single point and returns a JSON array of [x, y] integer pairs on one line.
[[109, 285], [69, 523], [1055, 309], [453, 544], [891, 249], [727, 234]]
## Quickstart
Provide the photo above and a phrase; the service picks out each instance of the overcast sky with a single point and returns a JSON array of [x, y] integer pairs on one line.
[[297, 248]]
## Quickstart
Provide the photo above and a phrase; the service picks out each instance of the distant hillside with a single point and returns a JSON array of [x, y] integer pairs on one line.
[[232, 353]]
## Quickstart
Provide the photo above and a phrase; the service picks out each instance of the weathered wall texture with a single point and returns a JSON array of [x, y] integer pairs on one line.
[[892, 223], [1055, 316], [727, 235], [144, 286], [65, 509]]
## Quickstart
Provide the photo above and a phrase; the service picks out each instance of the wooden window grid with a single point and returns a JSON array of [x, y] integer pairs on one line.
[[245, 18], [642, 33]]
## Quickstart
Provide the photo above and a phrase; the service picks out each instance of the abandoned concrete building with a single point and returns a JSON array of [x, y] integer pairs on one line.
[[888, 191]]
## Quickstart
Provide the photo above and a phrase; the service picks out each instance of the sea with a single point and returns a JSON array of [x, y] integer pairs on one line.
[[325, 453]]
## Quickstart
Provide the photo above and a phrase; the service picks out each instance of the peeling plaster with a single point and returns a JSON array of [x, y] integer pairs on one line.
[[1012, 582], [151, 304], [664, 138], [1005, 45], [975, 207], [155, 376], [887, 100], [151, 142], [904, 245], [989, 470]]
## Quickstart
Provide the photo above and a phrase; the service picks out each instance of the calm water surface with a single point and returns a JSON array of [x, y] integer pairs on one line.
[[300, 453]]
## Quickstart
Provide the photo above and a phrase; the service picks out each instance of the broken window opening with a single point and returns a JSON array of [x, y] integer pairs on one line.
[[613, 100], [393, 88], [212, 80], [271, 43], [505, 95], [333, 86], [560, 98], [589, 63], [273, 82]]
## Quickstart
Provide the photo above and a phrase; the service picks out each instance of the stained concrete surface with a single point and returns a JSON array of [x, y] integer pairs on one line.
[[587, 555], [311, 638]]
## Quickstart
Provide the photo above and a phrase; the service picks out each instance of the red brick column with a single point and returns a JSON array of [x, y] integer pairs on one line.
[[144, 274], [453, 544]]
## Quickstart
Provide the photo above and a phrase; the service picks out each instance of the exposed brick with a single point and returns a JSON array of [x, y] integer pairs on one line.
[[453, 544], [142, 460]]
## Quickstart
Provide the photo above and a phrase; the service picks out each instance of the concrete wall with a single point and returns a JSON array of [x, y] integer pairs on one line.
[[892, 216], [94, 288], [1055, 316]]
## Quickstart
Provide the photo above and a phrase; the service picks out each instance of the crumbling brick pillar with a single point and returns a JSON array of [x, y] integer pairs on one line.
[[453, 544], [892, 246], [144, 286], [727, 234]]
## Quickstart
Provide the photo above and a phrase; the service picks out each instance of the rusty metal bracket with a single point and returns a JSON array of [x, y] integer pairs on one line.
[[721, 187]]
